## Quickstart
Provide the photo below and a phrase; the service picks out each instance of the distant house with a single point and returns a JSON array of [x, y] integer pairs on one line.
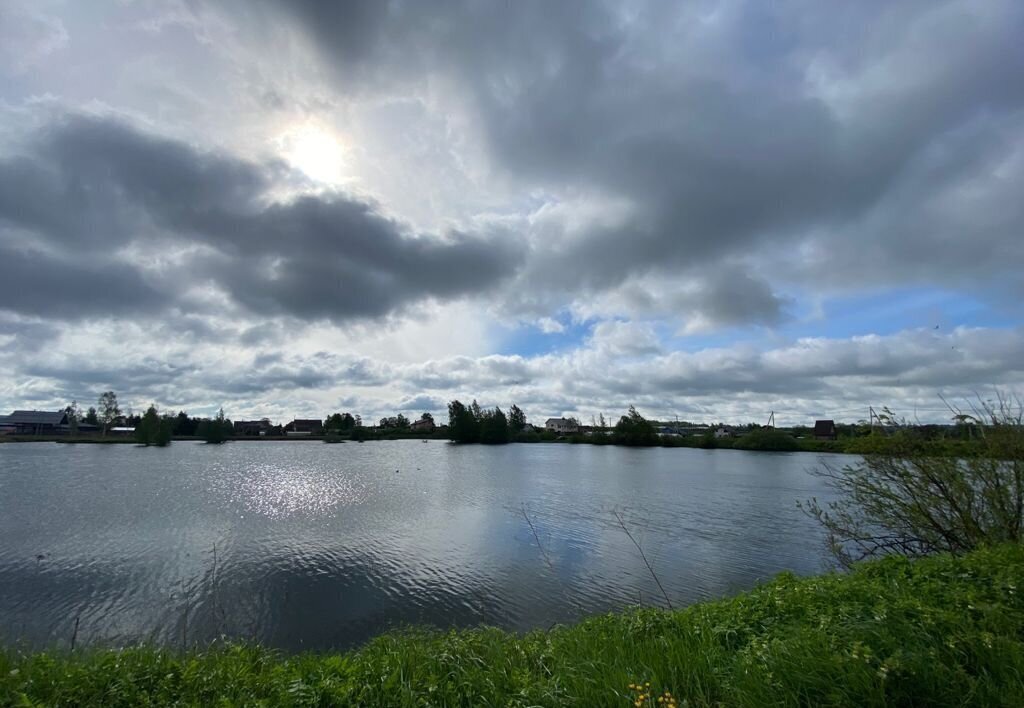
[[35, 422], [304, 426], [254, 428], [725, 431], [694, 430], [824, 430], [561, 425], [423, 425]]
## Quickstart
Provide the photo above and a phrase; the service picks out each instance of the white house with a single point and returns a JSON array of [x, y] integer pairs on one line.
[[561, 425]]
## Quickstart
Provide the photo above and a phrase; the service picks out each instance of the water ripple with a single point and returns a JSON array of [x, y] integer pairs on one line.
[[301, 545]]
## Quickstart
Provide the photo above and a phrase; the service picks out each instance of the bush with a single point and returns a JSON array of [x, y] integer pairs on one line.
[[154, 430], [215, 431], [908, 499], [768, 439], [634, 429]]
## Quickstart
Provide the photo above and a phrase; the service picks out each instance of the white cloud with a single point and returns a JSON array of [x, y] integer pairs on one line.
[[549, 325], [531, 164]]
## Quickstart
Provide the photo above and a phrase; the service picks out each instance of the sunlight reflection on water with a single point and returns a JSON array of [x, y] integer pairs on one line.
[[276, 492], [302, 545]]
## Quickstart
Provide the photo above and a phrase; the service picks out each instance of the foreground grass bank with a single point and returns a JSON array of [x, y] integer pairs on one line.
[[940, 632]]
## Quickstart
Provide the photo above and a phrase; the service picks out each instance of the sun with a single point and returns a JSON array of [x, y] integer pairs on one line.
[[315, 151]]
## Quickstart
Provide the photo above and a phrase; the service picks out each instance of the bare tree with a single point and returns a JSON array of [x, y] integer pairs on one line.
[[909, 500]]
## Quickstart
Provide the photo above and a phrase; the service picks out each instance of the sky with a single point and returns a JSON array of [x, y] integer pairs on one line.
[[710, 210]]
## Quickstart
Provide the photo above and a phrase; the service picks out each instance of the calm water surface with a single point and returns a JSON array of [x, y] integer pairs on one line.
[[304, 545]]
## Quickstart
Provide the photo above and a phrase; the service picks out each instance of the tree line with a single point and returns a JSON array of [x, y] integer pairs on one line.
[[473, 424], [151, 427], [155, 428]]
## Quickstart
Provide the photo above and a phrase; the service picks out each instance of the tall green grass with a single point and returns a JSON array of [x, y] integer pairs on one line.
[[940, 631]]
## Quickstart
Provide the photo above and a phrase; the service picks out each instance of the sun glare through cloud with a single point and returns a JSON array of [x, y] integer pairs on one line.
[[316, 151]]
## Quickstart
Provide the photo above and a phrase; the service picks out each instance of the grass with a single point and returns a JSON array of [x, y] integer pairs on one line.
[[941, 631]]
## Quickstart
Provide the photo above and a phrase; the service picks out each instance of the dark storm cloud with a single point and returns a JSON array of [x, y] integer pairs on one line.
[[34, 283], [87, 187], [732, 128]]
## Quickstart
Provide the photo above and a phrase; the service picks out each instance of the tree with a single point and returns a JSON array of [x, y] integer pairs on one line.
[[340, 422], [185, 425], [462, 424], [398, 422], [634, 429], [91, 417], [215, 431], [74, 415], [427, 418], [108, 409], [494, 427], [907, 500], [154, 429], [516, 419]]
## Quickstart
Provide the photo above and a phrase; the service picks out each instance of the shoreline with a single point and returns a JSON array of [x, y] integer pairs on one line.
[[926, 632], [847, 446]]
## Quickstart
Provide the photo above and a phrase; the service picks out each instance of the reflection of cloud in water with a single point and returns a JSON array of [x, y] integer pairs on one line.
[[322, 546]]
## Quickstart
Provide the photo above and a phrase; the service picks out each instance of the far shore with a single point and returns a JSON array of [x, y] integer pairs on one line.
[[852, 446]]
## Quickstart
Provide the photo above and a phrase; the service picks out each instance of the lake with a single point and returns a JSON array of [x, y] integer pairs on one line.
[[302, 545]]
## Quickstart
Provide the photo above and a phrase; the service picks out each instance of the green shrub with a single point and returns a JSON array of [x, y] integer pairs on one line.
[[768, 439], [215, 431], [908, 498], [153, 429]]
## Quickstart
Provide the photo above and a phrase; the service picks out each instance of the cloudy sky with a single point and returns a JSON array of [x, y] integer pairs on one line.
[[711, 210]]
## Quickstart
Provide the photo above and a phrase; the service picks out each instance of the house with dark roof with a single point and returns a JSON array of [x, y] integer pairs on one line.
[[256, 428], [824, 430], [35, 422], [304, 426]]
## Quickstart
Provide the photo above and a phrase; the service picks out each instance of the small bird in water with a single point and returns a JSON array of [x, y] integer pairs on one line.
[[396, 471]]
